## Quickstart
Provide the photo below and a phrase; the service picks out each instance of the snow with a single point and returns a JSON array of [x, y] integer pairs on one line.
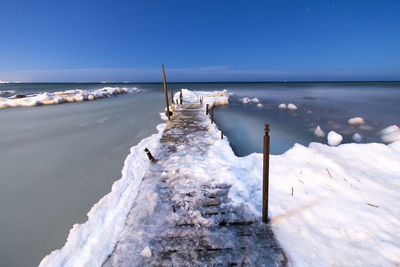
[[356, 121], [90, 243], [46, 98], [146, 252], [327, 205], [318, 132], [334, 139], [292, 106], [259, 105], [246, 100], [390, 134], [357, 137], [282, 106]]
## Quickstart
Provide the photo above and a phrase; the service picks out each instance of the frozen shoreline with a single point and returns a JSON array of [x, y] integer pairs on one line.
[[77, 95], [319, 199]]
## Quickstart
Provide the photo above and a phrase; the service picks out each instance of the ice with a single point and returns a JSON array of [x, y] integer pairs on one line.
[[282, 106], [334, 139], [318, 132], [246, 100], [356, 121], [357, 137], [46, 98], [292, 106], [259, 105], [146, 252], [390, 134]]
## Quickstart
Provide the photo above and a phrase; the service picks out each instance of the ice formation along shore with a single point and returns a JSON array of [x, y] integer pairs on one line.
[[46, 98], [328, 205]]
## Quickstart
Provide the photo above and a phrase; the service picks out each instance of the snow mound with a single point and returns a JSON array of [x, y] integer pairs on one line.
[[282, 106], [390, 134], [246, 100], [334, 139], [259, 105], [356, 121], [76, 95], [292, 106], [318, 132], [357, 137]]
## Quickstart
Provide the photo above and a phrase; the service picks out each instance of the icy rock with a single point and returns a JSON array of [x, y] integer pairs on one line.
[[318, 132], [334, 139], [356, 121], [357, 137], [259, 105], [245, 100], [255, 100], [282, 106], [292, 106], [146, 252], [390, 134]]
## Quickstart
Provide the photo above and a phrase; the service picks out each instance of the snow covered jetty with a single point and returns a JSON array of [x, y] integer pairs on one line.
[[183, 216]]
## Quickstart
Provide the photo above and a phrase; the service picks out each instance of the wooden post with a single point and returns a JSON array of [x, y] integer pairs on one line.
[[206, 109], [265, 175], [212, 114], [222, 134], [180, 97], [176, 100], [172, 100], [166, 94]]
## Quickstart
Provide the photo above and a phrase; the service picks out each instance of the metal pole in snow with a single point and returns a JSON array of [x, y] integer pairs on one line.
[[265, 174]]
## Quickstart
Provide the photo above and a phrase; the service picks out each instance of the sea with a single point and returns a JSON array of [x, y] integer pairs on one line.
[[57, 161]]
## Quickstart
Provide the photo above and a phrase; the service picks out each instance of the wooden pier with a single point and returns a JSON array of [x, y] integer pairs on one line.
[[180, 220]]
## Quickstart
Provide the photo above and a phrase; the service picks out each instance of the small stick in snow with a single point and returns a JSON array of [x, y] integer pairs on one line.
[[372, 205], [292, 191], [301, 181], [328, 172]]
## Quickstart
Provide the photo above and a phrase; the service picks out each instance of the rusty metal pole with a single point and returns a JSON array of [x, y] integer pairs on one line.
[[166, 94], [265, 175], [181, 97], [206, 109], [212, 114]]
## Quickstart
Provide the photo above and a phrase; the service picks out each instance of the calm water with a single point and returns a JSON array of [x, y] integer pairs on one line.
[[57, 161]]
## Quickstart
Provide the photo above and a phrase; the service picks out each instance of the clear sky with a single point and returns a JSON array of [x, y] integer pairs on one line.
[[57, 40]]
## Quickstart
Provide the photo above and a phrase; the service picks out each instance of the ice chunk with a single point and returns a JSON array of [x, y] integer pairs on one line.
[[245, 100], [146, 252], [334, 139], [292, 106], [259, 105], [357, 137], [255, 100], [356, 121], [390, 134], [318, 132], [282, 106]]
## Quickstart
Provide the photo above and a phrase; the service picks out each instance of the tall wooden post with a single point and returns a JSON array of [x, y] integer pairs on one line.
[[212, 114], [181, 97], [222, 134], [166, 94], [206, 109], [172, 100], [265, 175]]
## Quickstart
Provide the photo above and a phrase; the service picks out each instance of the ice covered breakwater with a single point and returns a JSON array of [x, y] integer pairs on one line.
[[328, 205], [46, 98]]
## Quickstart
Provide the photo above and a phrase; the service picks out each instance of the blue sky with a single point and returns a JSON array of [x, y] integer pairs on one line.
[[276, 40]]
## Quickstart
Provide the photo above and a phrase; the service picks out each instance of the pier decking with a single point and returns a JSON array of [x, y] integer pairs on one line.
[[179, 219]]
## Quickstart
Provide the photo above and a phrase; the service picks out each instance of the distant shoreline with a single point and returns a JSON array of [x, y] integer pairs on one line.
[[271, 82]]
